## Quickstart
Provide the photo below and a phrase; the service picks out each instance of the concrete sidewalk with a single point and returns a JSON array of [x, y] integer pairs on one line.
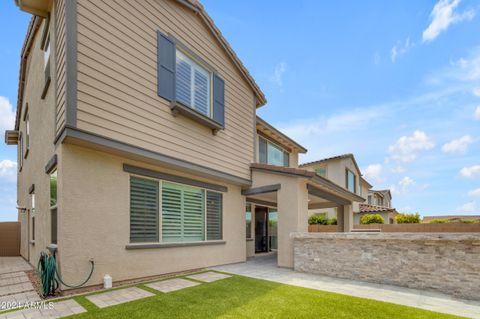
[[264, 267]]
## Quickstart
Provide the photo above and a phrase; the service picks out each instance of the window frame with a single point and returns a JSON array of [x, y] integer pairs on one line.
[[285, 153], [195, 63], [160, 240], [324, 168], [53, 208], [47, 51], [248, 225], [347, 171]]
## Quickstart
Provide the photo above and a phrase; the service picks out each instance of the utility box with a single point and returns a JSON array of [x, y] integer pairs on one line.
[[107, 282]]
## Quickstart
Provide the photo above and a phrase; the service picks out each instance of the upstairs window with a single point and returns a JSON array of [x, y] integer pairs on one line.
[[193, 83], [272, 154], [350, 181], [322, 171]]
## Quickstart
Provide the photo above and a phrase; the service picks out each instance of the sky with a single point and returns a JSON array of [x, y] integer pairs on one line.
[[396, 83]]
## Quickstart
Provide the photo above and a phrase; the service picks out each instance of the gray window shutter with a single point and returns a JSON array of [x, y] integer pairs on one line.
[[143, 210], [214, 216], [166, 66], [218, 100]]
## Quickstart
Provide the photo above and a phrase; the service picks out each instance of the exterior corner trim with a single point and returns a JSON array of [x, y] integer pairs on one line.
[[71, 63]]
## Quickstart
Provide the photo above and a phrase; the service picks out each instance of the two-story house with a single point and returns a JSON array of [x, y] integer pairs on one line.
[[378, 202], [139, 146], [344, 171]]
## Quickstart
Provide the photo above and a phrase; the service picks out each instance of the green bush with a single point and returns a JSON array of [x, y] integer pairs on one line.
[[317, 220], [408, 218], [439, 221], [332, 221], [371, 219], [470, 221]]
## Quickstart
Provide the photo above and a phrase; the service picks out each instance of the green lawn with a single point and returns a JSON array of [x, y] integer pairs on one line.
[[241, 297]]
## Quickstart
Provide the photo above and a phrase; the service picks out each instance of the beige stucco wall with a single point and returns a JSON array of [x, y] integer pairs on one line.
[[117, 84], [94, 223], [42, 133]]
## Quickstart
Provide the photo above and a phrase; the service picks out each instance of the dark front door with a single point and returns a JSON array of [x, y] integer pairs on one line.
[[261, 229]]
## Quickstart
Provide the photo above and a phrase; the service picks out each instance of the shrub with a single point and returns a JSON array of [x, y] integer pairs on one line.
[[317, 220], [408, 218], [439, 221], [371, 219], [332, 221], [470, 221]]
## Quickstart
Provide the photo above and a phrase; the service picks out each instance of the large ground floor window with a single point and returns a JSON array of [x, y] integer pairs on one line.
[[171, 212]]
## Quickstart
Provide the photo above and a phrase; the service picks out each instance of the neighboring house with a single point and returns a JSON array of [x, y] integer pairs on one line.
[[342, 170], [451, 218], [387, 213], [380, 198], [139, 146]]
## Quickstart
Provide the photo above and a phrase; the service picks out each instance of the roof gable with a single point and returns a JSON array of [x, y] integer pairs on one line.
[[198, 8]]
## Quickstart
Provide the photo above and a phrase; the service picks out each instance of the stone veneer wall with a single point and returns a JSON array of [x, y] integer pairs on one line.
[[446, 262]]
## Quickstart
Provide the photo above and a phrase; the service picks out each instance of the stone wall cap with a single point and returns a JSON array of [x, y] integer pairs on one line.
[[390, 236]]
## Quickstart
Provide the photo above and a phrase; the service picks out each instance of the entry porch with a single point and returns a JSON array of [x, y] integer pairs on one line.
[[278, 203]]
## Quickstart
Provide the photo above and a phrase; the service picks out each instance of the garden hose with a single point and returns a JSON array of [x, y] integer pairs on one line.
[[49, 276]]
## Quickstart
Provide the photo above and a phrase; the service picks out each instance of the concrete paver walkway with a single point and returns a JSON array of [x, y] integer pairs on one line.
[[264, 267], [15, 286], [172, 285], [209, 276], [47, 310], [119, 296]]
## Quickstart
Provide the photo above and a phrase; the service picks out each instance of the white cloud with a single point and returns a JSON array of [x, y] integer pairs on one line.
[[8, 170], [470, 172], [400, 49], [477, 113], [474, 193], [373, 173], [458, 146], [403, 186], [398, 169], [443, 15], [7, 115], [277, 76], [476, 92], [406, 148], [469, 207]]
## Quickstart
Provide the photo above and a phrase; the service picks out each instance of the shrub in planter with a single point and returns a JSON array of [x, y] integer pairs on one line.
[[332, 221], [371, 219], [408, 218], [317, 220], [470, 221]]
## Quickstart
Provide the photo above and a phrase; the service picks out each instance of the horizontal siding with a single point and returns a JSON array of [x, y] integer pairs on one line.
[[60, 65], [117, 84]]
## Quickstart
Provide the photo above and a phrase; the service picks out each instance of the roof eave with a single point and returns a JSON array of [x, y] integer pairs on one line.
[[297, 146]]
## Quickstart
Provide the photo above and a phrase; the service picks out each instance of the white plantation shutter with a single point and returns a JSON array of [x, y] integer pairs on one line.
[[201, 100], [183, 213], [183, 78], [192, 84], [214, 215], [143, 210], [171, 213]]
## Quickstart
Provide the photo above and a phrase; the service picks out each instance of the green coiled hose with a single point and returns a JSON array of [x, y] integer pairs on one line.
[[49, 276]]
